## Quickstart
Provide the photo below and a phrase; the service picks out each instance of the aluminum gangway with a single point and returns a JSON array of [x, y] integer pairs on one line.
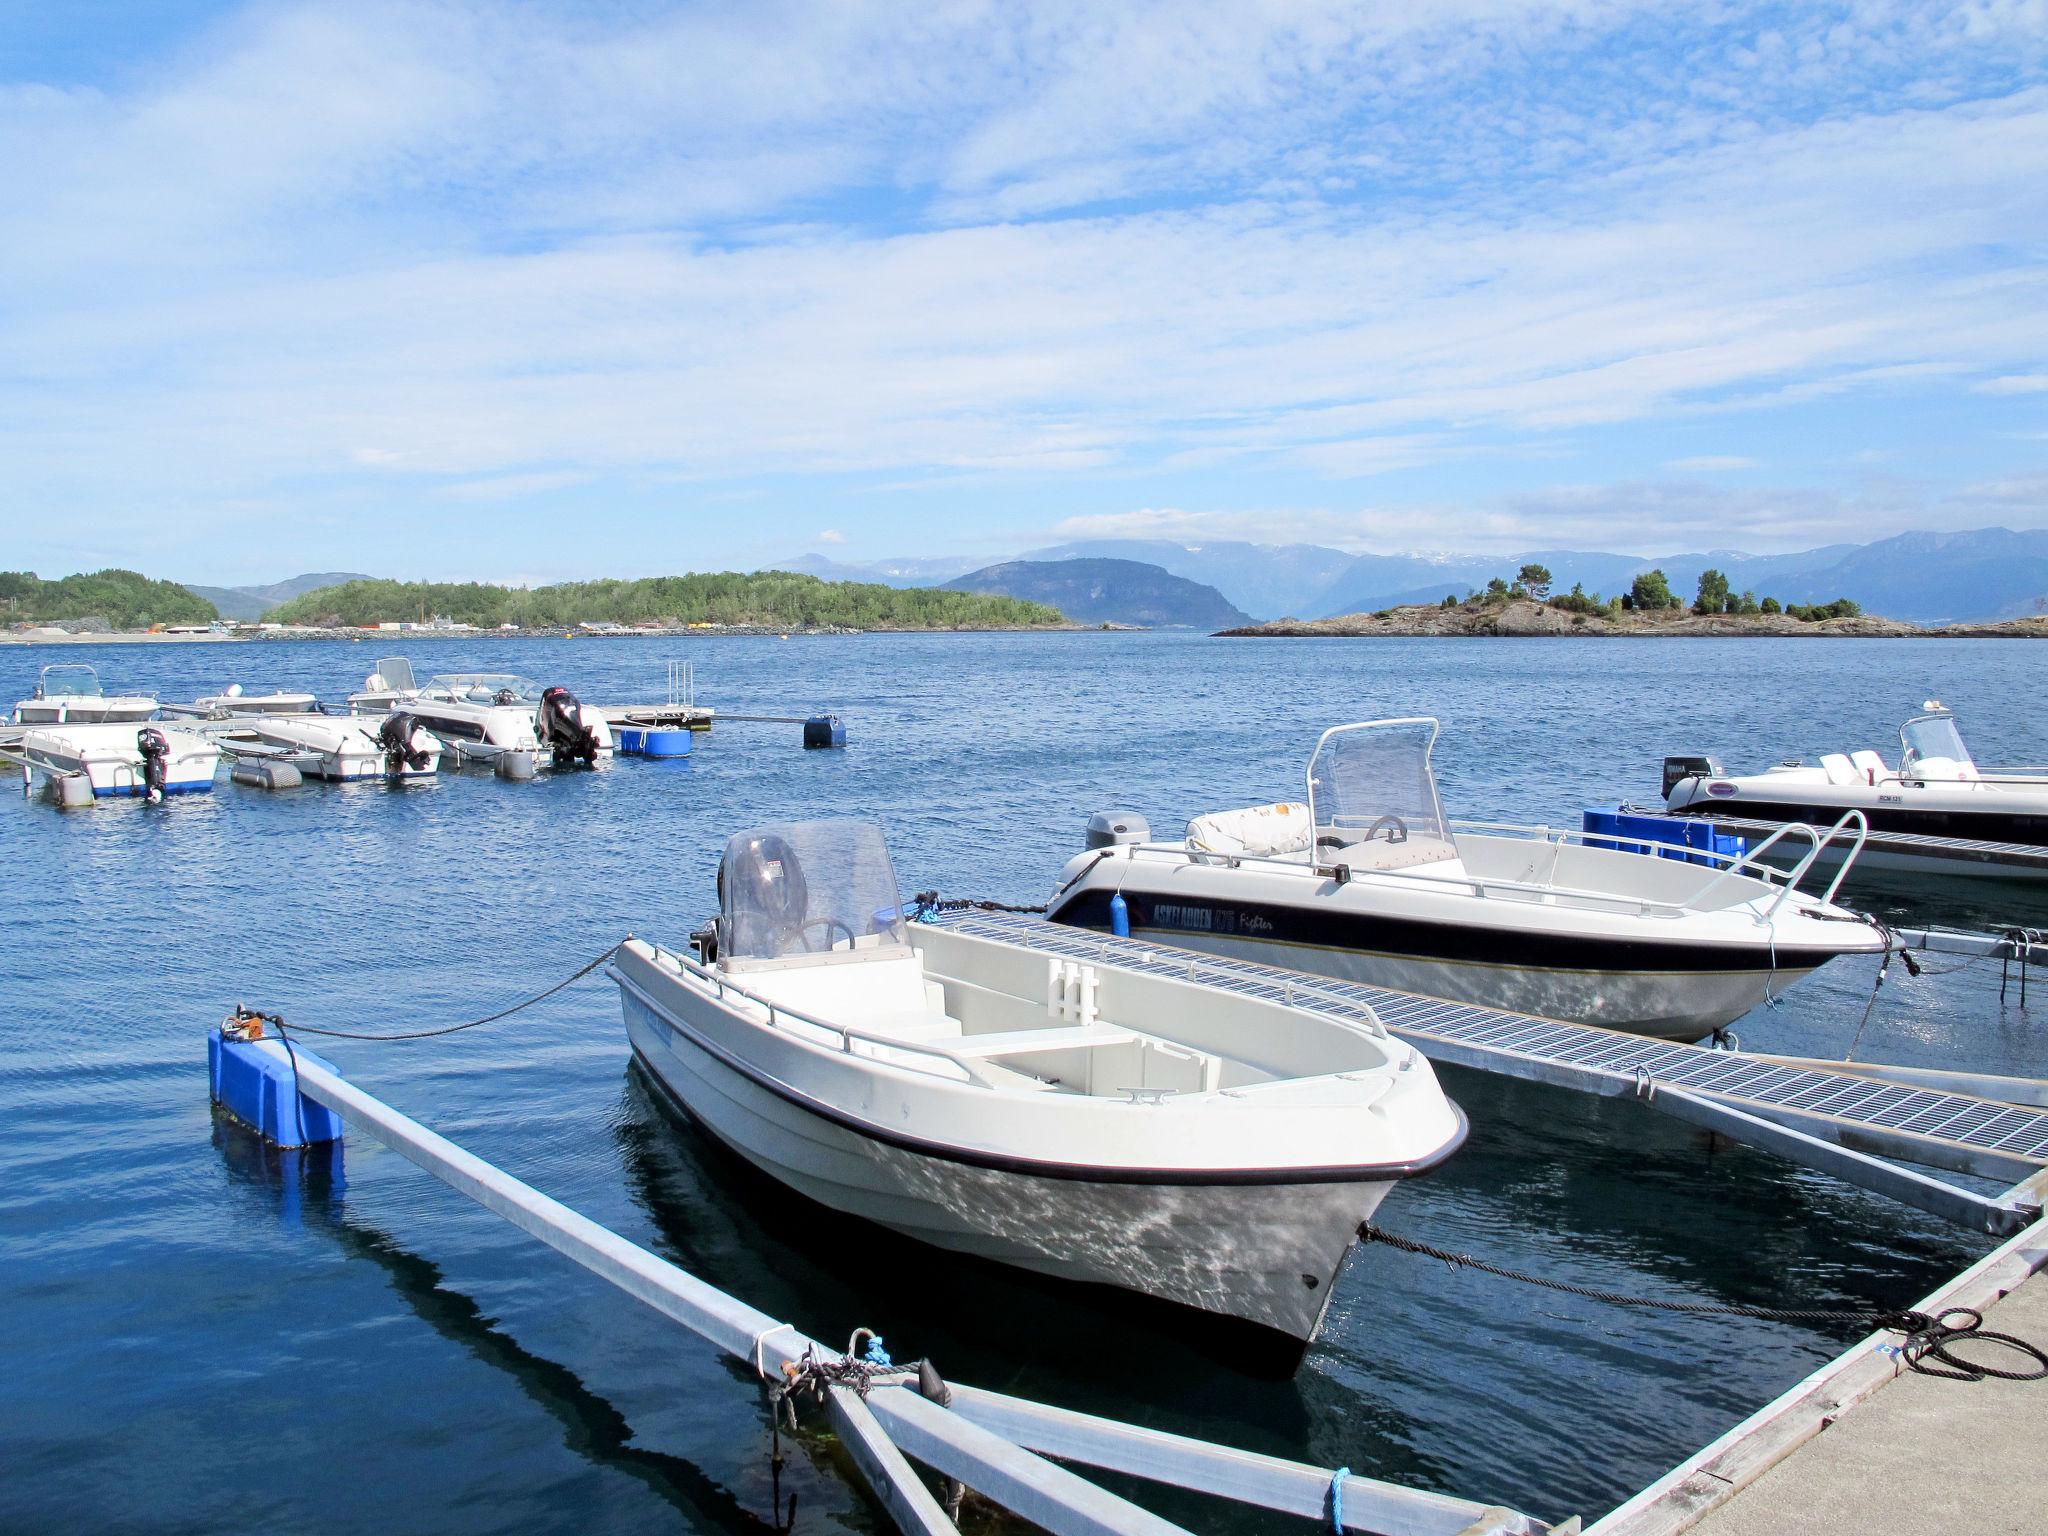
[[1849, 1120]]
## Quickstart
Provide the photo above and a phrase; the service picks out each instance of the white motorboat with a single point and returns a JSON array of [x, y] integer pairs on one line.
[[232, 701], [1367, 881], [350, 747], [1081, 1121], [1937, 791], [71, 692], [390, 687], [505, 711], [152, 761]]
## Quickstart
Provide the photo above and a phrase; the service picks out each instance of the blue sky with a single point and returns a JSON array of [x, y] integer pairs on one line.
[[536, 291]]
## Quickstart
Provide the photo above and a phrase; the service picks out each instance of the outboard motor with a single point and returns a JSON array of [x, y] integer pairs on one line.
[[395, 736], [1113, 829], [1678, 769], [155, 748], [562, 728]]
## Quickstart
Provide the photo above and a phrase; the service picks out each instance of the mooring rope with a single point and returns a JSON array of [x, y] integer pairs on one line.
[[1928, 1337], [244, 1016], [859, 1370]]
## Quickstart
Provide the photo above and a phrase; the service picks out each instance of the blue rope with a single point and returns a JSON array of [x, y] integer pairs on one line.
[[876, 1354], [1337, 1499]]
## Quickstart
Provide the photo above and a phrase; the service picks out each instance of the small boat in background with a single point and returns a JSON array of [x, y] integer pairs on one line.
[[390, 686], [1937, 790], [231, 701], [153, 761], [1083, 1121], [508, 712], [71, 691], [345, 748], [1366, 880]]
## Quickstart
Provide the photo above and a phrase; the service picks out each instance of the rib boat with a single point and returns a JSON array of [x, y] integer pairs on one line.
[[350, 747], [152, 761], [1937, 789], [1366, 880], [503, 710], [1082, 1121], [71, 692]]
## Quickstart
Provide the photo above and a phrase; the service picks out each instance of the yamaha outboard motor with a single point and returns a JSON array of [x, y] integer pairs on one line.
[[1678, 769], [562, 727], [395, 736], [155, 748]]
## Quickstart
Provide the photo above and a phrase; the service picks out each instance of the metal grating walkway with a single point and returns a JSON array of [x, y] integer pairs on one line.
[[1487, 1037]]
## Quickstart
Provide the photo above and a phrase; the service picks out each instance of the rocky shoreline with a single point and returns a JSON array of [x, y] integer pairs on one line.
[[1525, 619]]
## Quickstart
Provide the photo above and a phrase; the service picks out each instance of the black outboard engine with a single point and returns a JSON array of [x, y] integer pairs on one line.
[[395, 737], [562, 728], [1678, 769], [155, 748]]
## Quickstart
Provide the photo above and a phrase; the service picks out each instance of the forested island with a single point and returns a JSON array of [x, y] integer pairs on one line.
[[773, 599], [121, 599]]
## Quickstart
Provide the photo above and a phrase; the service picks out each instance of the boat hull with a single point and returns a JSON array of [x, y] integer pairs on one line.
[[83, 711], [1263, 1252], [1670, 991], [117, 774]]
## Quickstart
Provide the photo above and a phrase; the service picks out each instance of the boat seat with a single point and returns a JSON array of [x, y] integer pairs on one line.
[[1838, 769], [1013, 1042], [1870, 765], [1379, 854]]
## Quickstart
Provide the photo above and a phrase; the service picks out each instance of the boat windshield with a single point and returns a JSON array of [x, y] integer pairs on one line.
[[71, 681], [1933, 748], [1372, 796], [798, 888], [484, 687], [396, 672]]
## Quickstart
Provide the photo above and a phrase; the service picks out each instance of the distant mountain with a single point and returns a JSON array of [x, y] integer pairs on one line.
[[1926, 578], [1107, 592], [906, 572], [253, 602], [1934, 578], [1269, 580]]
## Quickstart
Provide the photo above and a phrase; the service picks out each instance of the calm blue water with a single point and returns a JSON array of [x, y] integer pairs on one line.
[[198, 1336]]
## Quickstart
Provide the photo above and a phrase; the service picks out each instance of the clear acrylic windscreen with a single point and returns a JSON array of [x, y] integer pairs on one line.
[[808, 888], [1363, 775], [1933, 738]]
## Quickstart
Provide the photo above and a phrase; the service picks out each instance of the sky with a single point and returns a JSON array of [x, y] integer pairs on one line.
[[538, 291]]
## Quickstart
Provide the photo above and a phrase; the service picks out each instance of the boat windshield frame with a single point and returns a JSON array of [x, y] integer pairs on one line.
[[1348, 765], [787, 891], [458, 687], [72, 668], [1936, 729]]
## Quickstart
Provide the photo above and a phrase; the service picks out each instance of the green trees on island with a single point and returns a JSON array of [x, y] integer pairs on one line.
[[1650, 592], [125, 599], [772, 599]]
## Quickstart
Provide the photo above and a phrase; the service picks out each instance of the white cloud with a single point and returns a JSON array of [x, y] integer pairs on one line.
[[1710, 463], [515, 248], [2015, 384], [831, 536]]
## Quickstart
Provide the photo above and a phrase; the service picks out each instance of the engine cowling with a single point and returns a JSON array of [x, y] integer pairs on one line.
[[399, 737], [155, 748], [562, 727]]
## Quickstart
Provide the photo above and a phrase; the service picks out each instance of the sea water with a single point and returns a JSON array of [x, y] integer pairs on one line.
[[198, 1334]]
